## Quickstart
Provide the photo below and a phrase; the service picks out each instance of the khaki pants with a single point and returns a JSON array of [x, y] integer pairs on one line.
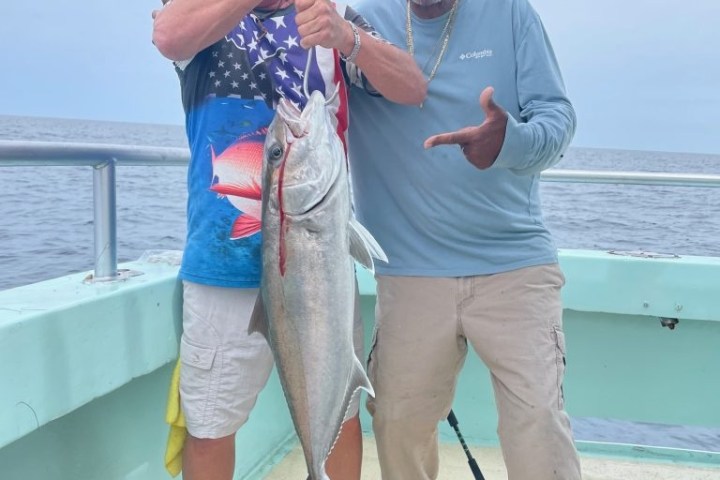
[[514, 322]]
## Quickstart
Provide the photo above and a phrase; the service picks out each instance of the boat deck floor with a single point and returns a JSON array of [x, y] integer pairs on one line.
[[454, 466]]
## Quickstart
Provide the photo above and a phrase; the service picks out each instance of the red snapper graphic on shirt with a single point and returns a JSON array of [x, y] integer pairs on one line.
[[237, 175]]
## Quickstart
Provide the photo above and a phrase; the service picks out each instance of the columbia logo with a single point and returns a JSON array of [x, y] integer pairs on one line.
[[476, 54]]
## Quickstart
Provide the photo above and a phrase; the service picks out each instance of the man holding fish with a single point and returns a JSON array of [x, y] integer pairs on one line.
[[451, 192], [237, 60]]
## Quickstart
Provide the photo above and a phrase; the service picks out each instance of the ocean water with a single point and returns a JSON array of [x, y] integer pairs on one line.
[[46, 222], [46, 213]]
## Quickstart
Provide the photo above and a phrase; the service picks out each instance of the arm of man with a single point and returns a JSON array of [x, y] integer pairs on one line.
[[391, 71], [547, 119], [185, 27]]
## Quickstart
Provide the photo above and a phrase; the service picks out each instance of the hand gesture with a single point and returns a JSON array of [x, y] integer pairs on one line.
[[320, 24], [481, 144]]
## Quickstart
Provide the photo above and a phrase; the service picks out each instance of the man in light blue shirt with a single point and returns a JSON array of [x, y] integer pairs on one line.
[[451, 192]]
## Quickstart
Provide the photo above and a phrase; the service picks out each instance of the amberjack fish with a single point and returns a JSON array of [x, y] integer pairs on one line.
[[307, 295]]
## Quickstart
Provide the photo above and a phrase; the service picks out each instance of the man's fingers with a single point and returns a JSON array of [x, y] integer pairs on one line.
[[488, 104], [442, 139], [301, 5], [310, 41], [459, 137], [452, 138]]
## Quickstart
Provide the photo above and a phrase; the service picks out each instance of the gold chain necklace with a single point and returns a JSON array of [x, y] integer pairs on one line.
[[444, 38]]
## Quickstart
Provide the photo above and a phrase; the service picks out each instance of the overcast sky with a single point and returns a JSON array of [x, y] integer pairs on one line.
[[643, 74]]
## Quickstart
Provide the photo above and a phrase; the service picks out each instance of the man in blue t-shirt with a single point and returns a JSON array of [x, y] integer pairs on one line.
[[450, 191], [235, 60]]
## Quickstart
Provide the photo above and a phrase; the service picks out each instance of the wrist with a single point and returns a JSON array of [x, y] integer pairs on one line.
[[351, 45]]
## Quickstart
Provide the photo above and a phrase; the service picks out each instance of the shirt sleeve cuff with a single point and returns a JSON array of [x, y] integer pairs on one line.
[[513, 150]]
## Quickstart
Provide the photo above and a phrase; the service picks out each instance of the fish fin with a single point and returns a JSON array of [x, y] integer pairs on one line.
[[258, 319], [358, 381], [363, 246], [323, 474], [244, 226], [252, 191]]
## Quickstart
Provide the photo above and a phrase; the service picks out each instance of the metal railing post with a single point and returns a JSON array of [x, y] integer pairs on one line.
[[104, 224]]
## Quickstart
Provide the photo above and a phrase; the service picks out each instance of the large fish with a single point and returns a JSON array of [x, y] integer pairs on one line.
[[310, 238]]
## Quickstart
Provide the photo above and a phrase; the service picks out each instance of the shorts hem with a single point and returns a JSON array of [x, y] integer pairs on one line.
[[207, 433], [215, 282]]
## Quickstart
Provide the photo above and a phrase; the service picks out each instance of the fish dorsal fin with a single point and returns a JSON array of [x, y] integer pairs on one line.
[[258, 319], [363, 246]]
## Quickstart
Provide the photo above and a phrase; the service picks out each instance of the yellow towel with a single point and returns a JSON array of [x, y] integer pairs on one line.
[[175, 418]]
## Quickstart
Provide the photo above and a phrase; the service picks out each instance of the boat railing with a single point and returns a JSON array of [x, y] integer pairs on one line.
[[104, 158]]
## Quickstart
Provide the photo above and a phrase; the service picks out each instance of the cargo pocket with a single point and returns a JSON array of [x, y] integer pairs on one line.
[[559, 336], [198, 382], [196, 356]]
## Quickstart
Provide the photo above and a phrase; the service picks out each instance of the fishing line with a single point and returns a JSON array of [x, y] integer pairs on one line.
[[306, 88]]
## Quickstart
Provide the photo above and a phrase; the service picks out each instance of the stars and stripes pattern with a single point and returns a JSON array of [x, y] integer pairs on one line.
[[259, 60]]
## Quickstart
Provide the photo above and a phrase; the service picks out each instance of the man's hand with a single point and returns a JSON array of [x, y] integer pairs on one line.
[[480, 144], [320, 24]]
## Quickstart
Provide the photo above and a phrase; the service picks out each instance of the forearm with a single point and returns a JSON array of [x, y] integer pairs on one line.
[[537, 139], [539, 143], [391, 71], [185, 27]]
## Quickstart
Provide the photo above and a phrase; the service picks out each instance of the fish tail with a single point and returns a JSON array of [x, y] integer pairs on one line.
[[358, 381]]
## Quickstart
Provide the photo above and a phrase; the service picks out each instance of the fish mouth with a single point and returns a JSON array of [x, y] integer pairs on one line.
[[321, 201], [291, 118], [313, 201]]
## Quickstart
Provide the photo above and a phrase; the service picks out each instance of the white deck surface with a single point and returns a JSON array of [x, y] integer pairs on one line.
[[453, 466]]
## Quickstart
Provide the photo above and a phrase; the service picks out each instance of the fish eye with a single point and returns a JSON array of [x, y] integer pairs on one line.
[[275, 152]]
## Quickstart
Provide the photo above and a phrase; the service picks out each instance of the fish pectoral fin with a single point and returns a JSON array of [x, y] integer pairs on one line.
[[258, 319], [244, 226], [363, 246]]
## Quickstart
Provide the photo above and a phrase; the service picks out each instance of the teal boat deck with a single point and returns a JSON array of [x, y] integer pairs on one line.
[[85, 370], [453, 466]]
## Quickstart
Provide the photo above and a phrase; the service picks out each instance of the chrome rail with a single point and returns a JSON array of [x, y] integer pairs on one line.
[[62, 154], [631, 178], [103, 158]]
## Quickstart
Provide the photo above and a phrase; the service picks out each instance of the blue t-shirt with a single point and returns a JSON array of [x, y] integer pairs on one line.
[[433, 212], [229, 93]]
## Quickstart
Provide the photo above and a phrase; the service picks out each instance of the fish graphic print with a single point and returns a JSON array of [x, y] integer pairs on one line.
[[237, 175]]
